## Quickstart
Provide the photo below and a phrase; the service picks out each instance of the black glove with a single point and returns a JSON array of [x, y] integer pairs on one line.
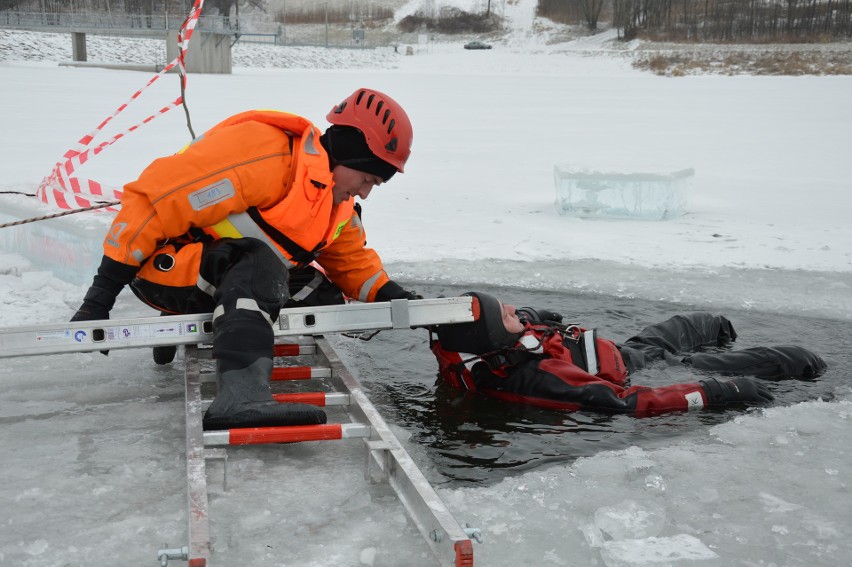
[[111, 278], [393, 290], [97, 303], [538, 316], [740, 390]]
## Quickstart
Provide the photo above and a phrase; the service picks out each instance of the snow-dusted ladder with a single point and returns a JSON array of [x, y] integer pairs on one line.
[[300, 332]]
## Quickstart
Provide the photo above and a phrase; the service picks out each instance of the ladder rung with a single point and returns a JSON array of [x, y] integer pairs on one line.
[[288, 434], [321, 399], [281, 373], [291, 349], [313, 398], [300, 372]]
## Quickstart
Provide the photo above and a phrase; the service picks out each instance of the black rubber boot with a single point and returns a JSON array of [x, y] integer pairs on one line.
[[164, 354], [769, 363], [243, 399], [251, 285]]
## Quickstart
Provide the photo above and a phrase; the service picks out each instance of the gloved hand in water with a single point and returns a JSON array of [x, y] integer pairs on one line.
[[740, 390], [538, 316]]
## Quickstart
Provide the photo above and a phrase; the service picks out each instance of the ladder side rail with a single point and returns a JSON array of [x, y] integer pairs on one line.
[[107, 334], [90, 336], [196, 466], [429, 513]]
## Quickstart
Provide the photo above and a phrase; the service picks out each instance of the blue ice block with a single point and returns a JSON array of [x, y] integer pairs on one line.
[[604, 194]]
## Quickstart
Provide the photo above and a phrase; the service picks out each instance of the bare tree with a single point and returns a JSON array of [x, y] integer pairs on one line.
[[734, 20], [591, 12]]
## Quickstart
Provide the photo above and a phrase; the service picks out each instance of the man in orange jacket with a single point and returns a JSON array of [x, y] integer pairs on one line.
[[220, 225]]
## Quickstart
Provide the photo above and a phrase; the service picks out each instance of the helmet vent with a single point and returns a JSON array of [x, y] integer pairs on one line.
[[370, 100], [360, 96], [340, 107], [379, 106], [385, 118], [391, 125], [391, 146]]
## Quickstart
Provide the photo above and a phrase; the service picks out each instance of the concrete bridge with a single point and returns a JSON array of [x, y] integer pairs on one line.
[[209, 51]]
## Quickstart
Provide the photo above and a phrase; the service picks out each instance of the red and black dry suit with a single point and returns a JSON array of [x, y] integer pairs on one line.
[[571, 368]]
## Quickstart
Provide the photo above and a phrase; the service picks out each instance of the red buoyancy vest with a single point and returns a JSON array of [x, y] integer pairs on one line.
[[584, 348], [580, 347], [558, 354]]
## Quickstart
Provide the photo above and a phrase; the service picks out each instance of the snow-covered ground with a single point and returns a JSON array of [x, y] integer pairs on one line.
[[93, 470]]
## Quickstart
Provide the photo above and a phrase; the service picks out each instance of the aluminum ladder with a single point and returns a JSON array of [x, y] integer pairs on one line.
[[300, 332]]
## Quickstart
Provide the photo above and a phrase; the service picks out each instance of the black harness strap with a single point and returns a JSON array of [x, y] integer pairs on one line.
[[299, 255], [578, 354], [509, 357]]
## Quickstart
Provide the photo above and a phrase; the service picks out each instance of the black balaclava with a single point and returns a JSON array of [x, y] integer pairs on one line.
[[484, 335], [347, 146]]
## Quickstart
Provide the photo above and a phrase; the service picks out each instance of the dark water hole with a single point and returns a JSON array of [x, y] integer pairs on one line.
[[476, 440]]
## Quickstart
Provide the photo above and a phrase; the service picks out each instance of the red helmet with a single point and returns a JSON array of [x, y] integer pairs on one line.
[[382, 120]]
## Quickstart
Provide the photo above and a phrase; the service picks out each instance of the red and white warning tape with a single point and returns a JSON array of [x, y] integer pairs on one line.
[[65, 190]]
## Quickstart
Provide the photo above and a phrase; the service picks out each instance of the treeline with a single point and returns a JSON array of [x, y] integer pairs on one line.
[[333, 13], [450, 20], [711, 20]]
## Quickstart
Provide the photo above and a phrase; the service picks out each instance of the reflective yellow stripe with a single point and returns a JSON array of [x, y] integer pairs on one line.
[[228, 229], [225, 229], [339, 229]]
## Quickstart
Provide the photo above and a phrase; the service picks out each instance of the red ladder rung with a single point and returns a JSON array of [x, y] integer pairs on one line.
[[313, 398], [286, 434], [299, 372], [293, 349]]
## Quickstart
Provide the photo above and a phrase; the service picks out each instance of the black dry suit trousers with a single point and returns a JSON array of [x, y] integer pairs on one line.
[[678, 340], [245, 285]]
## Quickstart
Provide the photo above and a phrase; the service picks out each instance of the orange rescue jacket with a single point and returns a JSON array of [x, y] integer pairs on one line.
[[261, 174]]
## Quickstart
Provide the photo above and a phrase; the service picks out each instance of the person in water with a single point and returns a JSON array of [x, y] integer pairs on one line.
[[530, 356]]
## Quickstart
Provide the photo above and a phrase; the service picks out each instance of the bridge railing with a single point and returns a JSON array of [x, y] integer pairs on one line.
[[110, 21]]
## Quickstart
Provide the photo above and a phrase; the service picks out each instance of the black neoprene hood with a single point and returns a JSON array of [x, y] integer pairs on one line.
[[485, 334]]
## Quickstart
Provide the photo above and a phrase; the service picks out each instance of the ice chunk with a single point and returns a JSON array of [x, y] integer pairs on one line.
[[608, 194], [368, 556], [70, 247], [681, 549], [630, 519]]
